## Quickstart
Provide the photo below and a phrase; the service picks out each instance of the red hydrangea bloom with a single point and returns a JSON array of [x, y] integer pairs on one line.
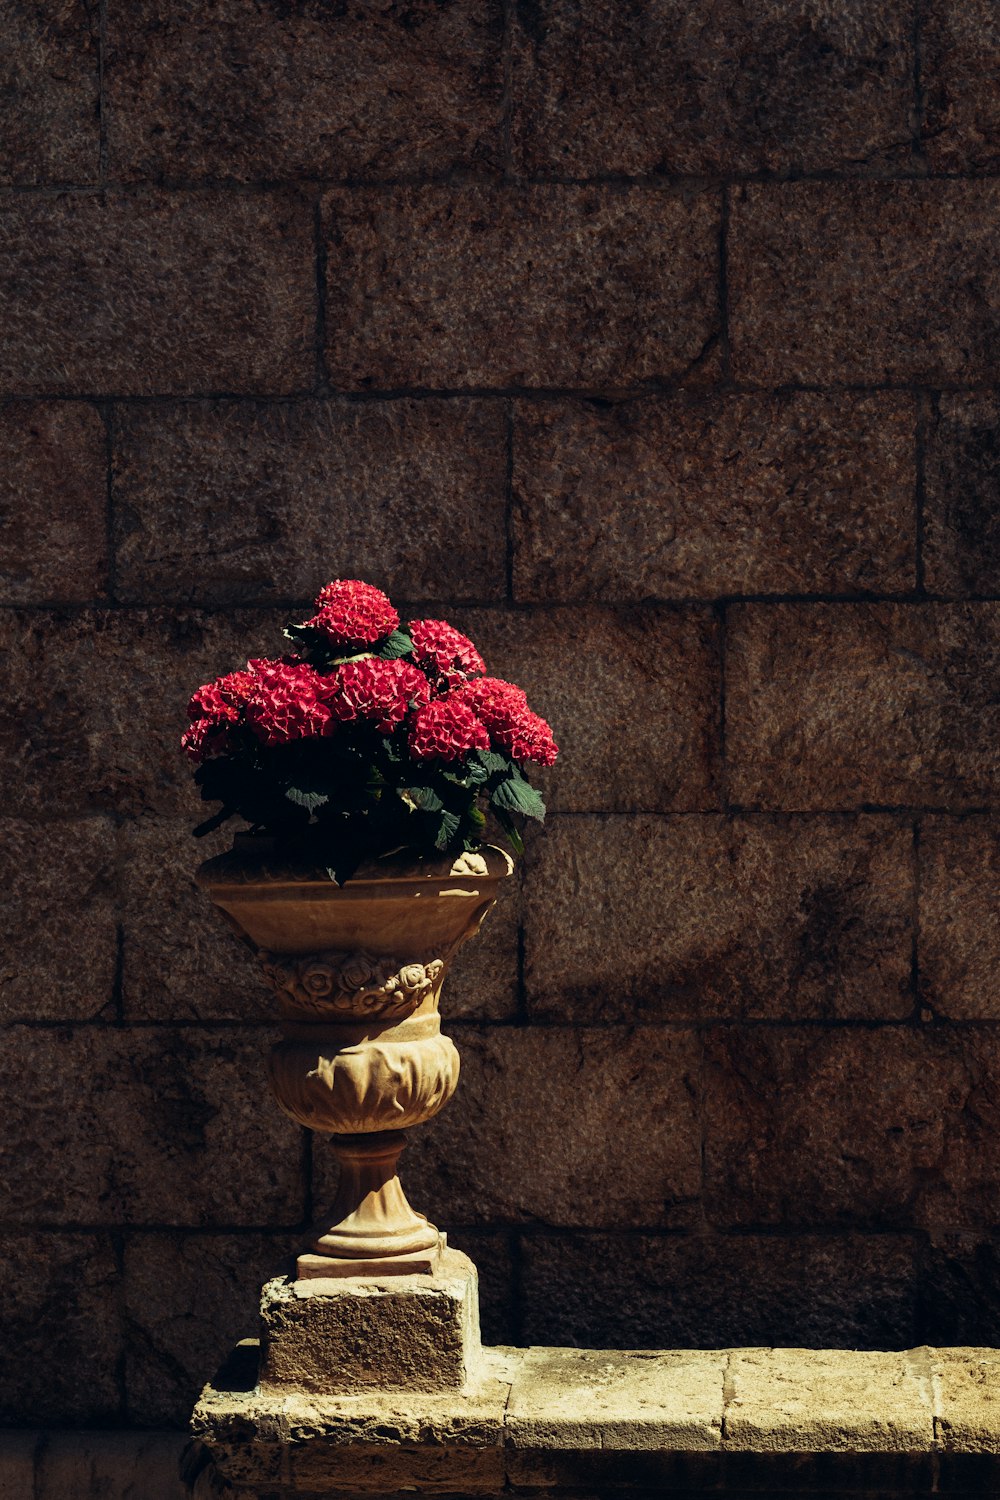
[[221, 699], [286, 702], [351, 613], [445, 652], [528, 738], [206, 738], [381, 691], [446, 729]]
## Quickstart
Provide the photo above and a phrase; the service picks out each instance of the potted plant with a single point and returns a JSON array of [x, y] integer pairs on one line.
[[364, 763]]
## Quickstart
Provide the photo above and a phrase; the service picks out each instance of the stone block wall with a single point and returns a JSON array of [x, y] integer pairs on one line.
[[657, 345]]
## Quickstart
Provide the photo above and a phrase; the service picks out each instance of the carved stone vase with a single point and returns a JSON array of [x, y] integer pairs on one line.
[[358, 971]]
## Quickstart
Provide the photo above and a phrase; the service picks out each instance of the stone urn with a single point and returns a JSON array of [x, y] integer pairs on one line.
[[358, 970]]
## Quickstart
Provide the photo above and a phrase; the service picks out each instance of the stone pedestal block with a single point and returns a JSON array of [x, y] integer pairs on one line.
[[345, 1335]]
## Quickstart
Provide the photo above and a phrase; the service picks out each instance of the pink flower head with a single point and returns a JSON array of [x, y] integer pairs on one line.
[[286, 702], [382, 691], [222, 699], [205, 739], [445, 652], [351, 613], [528, 738], [446, 729]]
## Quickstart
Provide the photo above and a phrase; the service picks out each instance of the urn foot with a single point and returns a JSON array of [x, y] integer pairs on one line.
[[373, 1224]]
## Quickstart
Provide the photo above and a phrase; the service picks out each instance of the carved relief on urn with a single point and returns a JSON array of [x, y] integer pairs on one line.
[[358, 971]]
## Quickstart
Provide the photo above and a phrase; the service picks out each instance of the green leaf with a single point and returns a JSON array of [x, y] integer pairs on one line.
[[447, 829], [516, 795], [306, 799], [395, 645], [423, 797], [507, 824], [491, 762]]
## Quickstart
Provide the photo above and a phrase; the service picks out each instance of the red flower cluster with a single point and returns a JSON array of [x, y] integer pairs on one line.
[[351, 613], [287, 703], [382, 691], [503, 708], [446, 729], [444, 652]]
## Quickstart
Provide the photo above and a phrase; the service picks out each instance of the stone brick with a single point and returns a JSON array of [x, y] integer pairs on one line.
[[53, 503], [544, 1127], [180, 960], [96, 704], [224, 502], [960, 1288], [842, 282], [106, 1465], [959, 945], [816, 1400], [492, 1257], [49, 121], [962, 503], [960, 54], [967, 1408], [482, 985], [61, 1328], [632, 695], [676, 88], [711, 1291], [151, 1125], [252, 91], [188, 1299], [873, 1128], [57, 920], [520, 286], [160, 293], [849, 705], [681, 498], [643, 919], [17, 1465]]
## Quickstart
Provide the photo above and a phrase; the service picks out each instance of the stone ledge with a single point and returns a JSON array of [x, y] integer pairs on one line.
[[741, 1419]]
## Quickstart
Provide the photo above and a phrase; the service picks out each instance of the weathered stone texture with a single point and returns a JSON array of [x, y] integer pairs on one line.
[[843, 706], [960, 47], [519, 286], [62, 1330], [544, 1127], [253, 91], [180, 960], [694, 498], [17, 1464], [959, 945], [159, 292], [96, 705], [884, 1128], [188, 1299], [151, 1125], [834, 283], [482, 984], [675, 88], [791, 1400], [960, 1287], [224, 502], [109, 1465], [57, 920], [641, 919], [493, 1257], [962, 503], [53, 503], [49, 93], [684, 1291], [632, 696]]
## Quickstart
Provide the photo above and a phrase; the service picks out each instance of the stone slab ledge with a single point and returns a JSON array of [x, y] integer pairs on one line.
[[920, 1421]]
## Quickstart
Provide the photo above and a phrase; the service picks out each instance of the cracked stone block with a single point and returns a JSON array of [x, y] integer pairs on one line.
[[827, 286], [677, 89], [845, 706], [408, 494], [692, 497], [685, 918], [469, 286]]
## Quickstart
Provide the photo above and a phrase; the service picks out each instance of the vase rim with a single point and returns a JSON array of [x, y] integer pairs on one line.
[[254, 860]]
